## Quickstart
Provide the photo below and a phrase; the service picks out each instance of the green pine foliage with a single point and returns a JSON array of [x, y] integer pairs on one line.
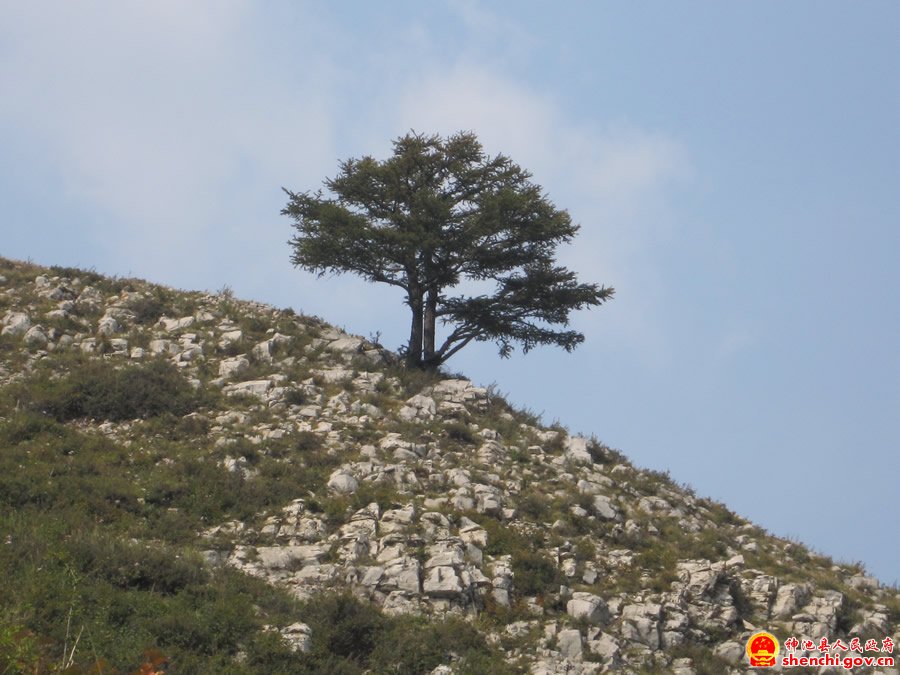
[[439, 212]]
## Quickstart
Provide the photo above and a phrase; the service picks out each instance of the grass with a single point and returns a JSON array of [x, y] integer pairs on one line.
[[66, 576]]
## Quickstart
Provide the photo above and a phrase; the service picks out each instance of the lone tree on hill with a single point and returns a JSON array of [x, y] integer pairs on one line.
[[437, 213]]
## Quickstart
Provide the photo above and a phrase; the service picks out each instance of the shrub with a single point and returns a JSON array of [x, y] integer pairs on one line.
[[136, 567], [352, 636], [99, 390], [343, 626], [534, 504], [534, 573], [461, 432], [148, 309]]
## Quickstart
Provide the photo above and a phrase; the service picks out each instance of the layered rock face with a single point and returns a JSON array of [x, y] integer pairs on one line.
[[437, 497]]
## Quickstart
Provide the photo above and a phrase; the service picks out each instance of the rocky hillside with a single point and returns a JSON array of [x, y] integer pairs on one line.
[[193, 482]]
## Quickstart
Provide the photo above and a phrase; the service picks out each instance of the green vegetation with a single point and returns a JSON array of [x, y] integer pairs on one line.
[[100, 390], [68, 578], [350, 636], [149, 308]]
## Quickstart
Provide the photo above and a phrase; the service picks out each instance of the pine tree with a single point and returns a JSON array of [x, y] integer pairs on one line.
[[437, 213]]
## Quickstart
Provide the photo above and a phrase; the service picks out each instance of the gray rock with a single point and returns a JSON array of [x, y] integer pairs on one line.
[[789, 599], [173, 325], [35, 337], [162, 347], [108, 325], [89, 297], [298, 636], [16, 323], [588, 607], [730, 651], [230, 337], [576, 450], [419, 406], [257, 388], [333, 375], [234, 366], [605, 509], [289, 557], [570, 644], [342, 482], [404, 575], [442, 582], [347, 345], [118, 345], [607, 648], [640, 623]]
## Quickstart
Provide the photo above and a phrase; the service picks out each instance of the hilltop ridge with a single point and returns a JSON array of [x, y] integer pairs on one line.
[[225, 486]]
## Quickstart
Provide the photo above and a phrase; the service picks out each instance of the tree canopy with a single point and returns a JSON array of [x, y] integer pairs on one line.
[[436, 214]]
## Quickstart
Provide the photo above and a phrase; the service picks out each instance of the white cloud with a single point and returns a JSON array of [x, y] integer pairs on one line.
[[168, 118]]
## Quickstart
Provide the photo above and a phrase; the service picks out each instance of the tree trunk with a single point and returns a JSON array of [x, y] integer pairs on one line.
[[414, 349], [429, 359]]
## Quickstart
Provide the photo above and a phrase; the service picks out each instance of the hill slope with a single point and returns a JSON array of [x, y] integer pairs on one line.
[[222, 486]]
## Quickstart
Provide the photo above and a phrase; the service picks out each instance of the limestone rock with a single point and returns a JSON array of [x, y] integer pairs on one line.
[[605, 509], [233, 367], [588, 607], [257, 388], [419, 406], [16, 323], [442, 582], [174, 325], [342, 482], [349, 344], [576, 450], [35, 337], [298, 636], [570, 644]]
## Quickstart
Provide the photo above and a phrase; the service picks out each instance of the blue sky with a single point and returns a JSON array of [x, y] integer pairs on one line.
[[734, 167]]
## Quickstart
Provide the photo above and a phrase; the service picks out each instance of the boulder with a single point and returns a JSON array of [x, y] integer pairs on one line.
[[342, 482], [346, 345], [605, 509], [172, 325], [233, 366], [257, 388], [16, 323], [570, 644], [576, 450], [298, 636], [588, 607], [442, 582], [35, 337]]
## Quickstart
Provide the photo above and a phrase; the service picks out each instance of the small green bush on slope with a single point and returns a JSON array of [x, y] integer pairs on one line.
[[100, 390]]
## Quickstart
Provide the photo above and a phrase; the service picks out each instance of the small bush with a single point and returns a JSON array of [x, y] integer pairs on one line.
[[148, 309], [461, 432], [295, 397], [585, 550], [534, 504], [534, 573], [99, 390], [131, 566], [343, 626], [351, 636]]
